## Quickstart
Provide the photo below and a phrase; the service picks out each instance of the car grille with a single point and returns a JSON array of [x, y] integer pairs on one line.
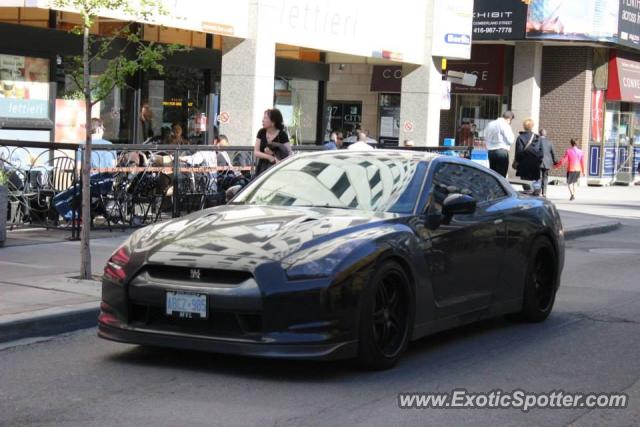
[[218, 324], [206, 275]]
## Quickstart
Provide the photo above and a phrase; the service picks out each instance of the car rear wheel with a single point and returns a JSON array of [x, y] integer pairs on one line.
[[540, 283], [385, 318]]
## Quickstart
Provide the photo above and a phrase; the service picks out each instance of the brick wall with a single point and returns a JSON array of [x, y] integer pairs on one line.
[[353, 83], [565, 96]]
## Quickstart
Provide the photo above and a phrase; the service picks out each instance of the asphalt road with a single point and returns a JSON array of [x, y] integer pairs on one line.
[[589, 344]]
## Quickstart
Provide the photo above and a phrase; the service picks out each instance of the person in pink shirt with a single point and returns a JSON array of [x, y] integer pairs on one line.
[[574, 158]]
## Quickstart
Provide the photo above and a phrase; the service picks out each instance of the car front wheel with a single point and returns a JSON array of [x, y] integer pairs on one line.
[[385, 318]]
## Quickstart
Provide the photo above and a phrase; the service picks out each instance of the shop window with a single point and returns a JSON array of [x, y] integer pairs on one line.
[[114, 110], [176, 97], [389, 118], [297, 99], [473, 113]]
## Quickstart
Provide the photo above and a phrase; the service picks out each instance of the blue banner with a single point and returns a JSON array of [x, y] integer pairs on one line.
[[609, 166], [594, 160]]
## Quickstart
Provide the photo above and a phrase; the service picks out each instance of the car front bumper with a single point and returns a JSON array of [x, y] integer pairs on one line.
[[310, 319], [128, 335]]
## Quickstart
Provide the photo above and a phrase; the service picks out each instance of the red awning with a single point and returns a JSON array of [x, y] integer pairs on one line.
[[624, 79]]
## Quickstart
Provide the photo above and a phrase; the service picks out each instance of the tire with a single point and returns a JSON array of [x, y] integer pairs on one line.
[[386, 317], [540, 283]]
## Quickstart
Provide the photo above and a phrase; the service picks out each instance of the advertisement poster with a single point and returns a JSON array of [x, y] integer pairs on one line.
[[594, 160], [609, 166], [389, 122], [597, 115], [24, 87], [499, 19], [629, 23], [70, 120], [573, 20]]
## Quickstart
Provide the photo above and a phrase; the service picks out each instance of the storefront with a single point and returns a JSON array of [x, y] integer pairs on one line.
[[473, 107], [614, 149]]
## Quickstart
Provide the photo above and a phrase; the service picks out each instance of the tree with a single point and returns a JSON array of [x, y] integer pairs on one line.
[[119, 69]]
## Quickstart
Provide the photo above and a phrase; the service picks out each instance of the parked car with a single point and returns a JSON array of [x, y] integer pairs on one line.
[[338, 255]]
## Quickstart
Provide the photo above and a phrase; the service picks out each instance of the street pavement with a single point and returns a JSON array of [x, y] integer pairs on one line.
[[590, 343]]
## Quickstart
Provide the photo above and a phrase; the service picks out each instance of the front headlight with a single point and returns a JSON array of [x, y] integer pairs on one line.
[[319, 262]]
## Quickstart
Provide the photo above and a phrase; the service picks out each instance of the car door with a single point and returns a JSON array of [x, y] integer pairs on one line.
[[465, 255]]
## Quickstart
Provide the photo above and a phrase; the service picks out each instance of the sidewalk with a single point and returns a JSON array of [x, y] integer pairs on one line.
[[40, 294]]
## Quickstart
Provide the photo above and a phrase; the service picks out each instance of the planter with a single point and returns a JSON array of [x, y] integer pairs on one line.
[[4, 197]]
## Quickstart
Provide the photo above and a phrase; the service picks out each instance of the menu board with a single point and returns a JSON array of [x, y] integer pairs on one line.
[[24, 87]]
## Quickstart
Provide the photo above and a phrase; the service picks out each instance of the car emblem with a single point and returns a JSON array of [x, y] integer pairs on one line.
[[194, 273]]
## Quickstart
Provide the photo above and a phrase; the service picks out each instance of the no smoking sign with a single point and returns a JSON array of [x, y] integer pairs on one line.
[[408, 126]]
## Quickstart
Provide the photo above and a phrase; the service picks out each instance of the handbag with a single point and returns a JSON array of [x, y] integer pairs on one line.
[[526, 147]]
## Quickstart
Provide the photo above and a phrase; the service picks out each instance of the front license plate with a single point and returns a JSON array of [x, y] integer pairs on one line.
[[187, 305]]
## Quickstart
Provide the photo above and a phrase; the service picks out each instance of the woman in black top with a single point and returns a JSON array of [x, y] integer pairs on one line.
[[272, 142]]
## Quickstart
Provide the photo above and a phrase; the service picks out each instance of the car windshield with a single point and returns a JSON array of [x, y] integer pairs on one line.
[[381, 182]]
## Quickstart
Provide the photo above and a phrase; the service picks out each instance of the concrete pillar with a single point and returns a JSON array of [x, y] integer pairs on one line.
[[421, 96], [525, 95], [246, 82], [527, 74]]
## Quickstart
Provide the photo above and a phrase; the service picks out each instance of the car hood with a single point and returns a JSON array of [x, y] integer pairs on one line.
[[240, 235]]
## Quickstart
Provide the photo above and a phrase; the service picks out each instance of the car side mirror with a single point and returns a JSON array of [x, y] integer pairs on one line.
[[458, 204]]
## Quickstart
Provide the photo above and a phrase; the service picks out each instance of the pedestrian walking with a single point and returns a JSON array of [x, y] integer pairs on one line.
[[548, 160], [574, 158], [528, 155], [499, 138]]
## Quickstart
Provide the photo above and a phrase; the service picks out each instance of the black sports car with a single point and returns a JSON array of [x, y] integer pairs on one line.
[[338, 255]]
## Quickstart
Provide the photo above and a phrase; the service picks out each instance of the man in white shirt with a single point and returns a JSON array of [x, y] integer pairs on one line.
[[361, 144], [499, 137]]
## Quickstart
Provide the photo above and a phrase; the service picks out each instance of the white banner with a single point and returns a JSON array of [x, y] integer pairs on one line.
[[452, 29], [369, 28]]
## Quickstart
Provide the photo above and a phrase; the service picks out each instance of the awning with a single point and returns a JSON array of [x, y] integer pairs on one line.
[[624, 79]]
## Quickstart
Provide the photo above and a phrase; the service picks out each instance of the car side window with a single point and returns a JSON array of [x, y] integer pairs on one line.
[[451, 178]]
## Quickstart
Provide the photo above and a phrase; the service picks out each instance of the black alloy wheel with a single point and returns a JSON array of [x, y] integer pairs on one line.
[[385, 321]]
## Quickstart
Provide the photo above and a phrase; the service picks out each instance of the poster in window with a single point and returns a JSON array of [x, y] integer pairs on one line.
[[24, 87]]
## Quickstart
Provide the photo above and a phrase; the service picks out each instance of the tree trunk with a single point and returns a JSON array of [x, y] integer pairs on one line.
[[85, 249]]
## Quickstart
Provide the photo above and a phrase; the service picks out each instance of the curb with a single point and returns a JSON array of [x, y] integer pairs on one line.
[[48, 322], [589, 230]]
